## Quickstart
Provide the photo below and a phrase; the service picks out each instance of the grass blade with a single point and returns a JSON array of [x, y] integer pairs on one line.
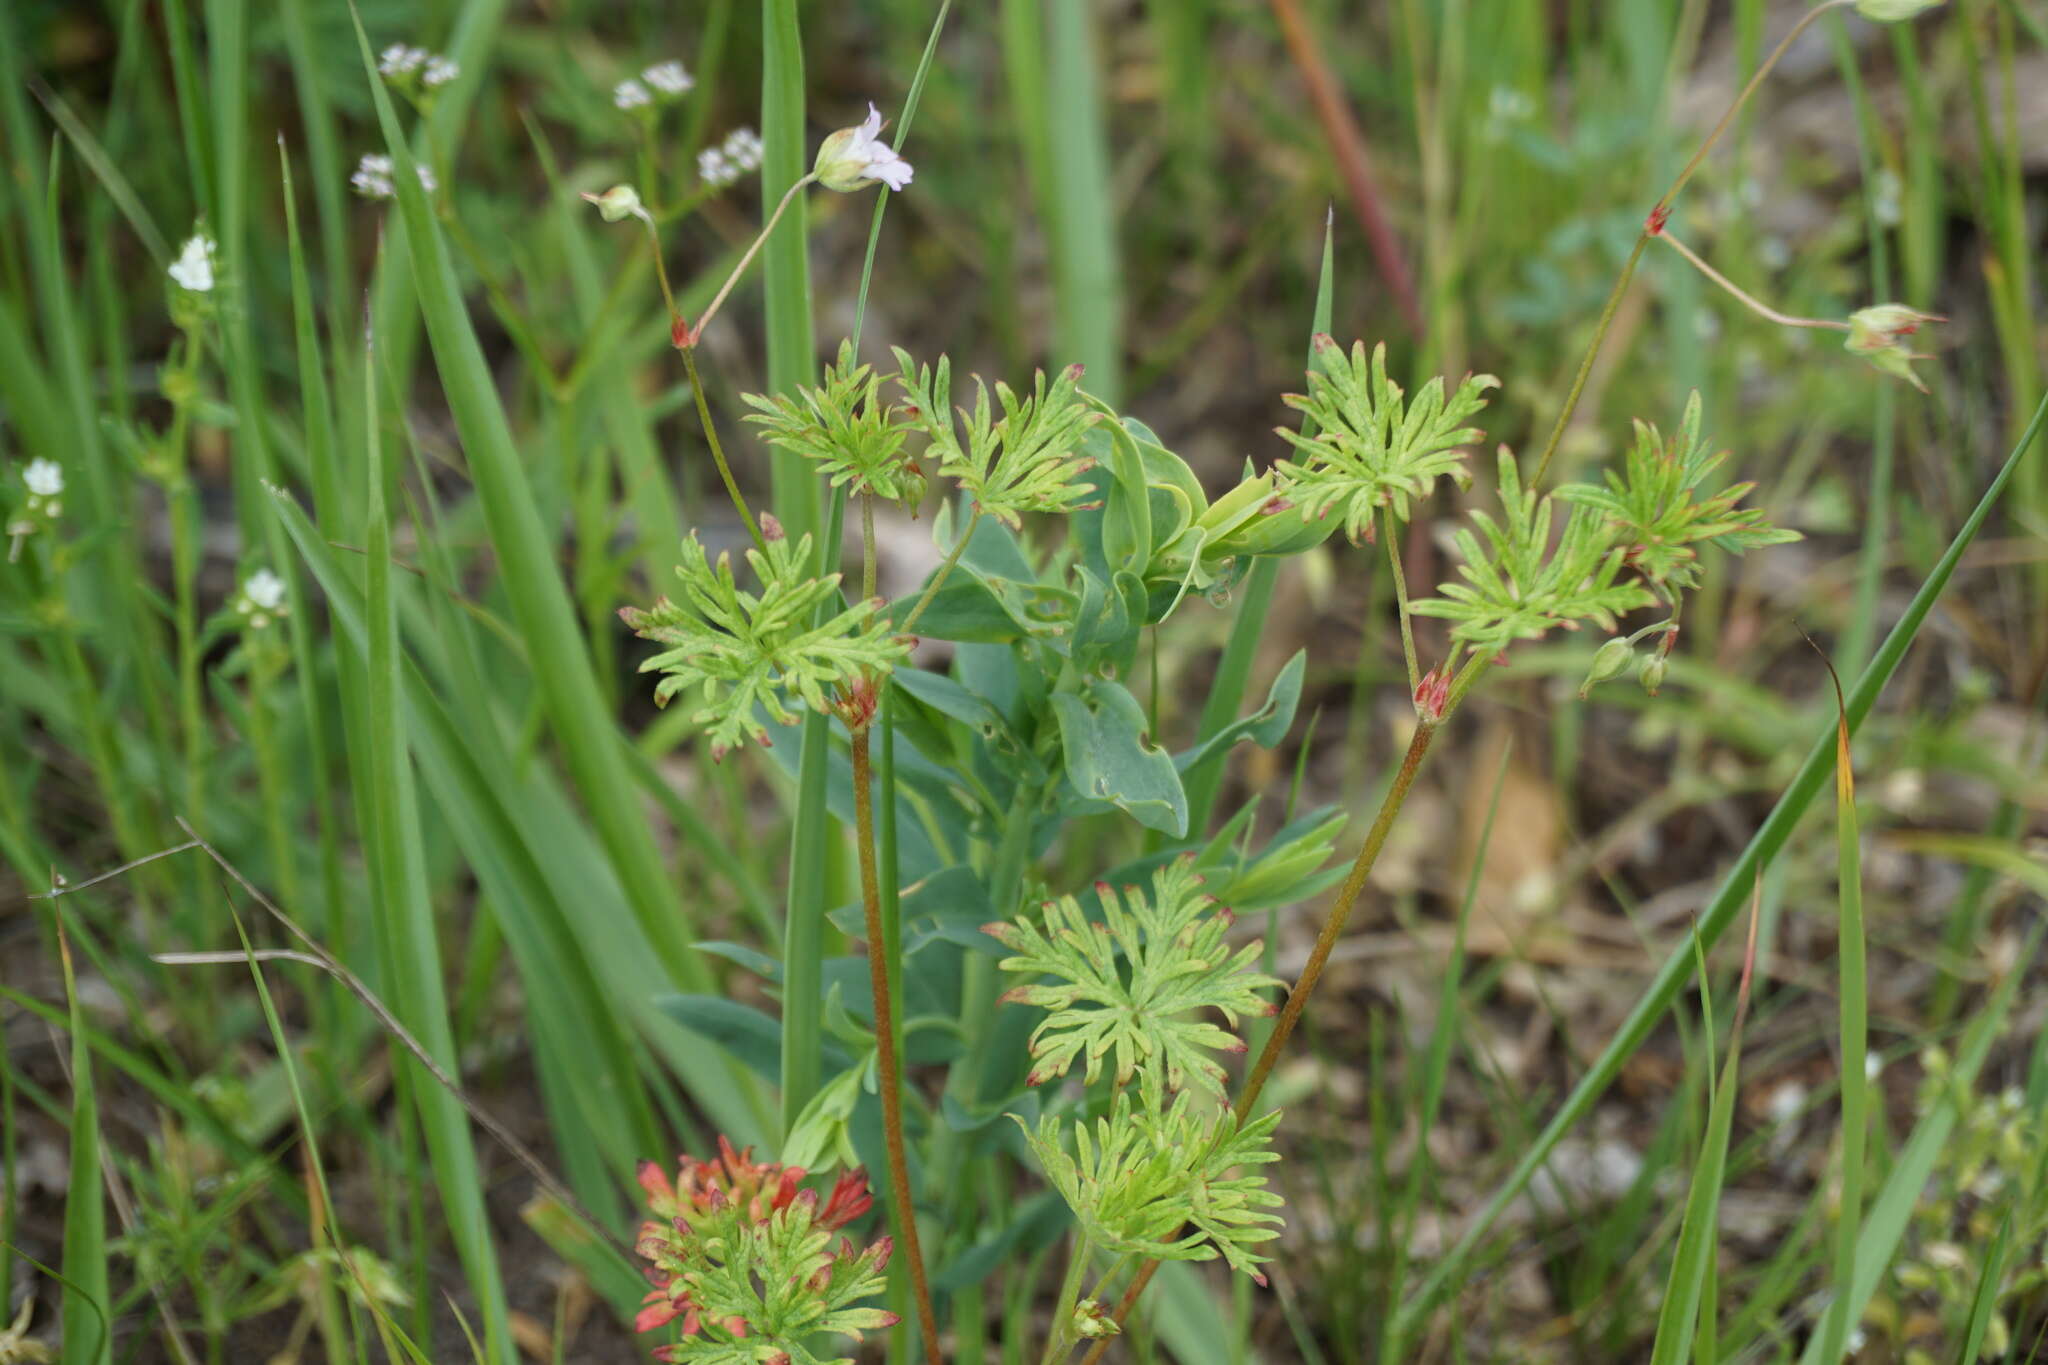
[[404, 913], [1720, 912], [1079, 203], [785, 267], [1855, 1016], [575, 705], [87, 1338]]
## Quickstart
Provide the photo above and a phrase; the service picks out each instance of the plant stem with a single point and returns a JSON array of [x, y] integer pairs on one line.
[[1654, 225], [718, 299], [1742, 296], [732, 488], [931, 589], [1058, 1334], [1333, 929], [1387, 533], [885, 1046]]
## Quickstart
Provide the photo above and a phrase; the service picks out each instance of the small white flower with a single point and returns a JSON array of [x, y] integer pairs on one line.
[[852, 157], [372, 178], [1873, 1066], [630, 94], [264, 589], [743, 147], [440, 70], [399, 60], [669, 78], [45, 478], [715, 169], [193, 270]]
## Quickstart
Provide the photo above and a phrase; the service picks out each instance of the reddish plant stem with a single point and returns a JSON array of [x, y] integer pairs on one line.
[[890, 1065], [1312, 970], [1347, 145]]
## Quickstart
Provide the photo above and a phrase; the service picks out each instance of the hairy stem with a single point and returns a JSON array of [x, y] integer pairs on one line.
[[718, 300], [931, 589], [1059, 1336], [1654, 225], [1742, 296], [1387, 532], [1333, 929], [732, 488], [885, 1047]]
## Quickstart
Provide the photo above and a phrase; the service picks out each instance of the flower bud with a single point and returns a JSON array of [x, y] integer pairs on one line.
[[620, 201], [851, 158], [1651, 673], [1879, 333], [1611, 661], [1893, 11]]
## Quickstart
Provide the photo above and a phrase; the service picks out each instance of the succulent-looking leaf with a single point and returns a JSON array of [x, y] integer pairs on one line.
[[1130, 986], [745, 650], [845, 428], [1656, 512], [1516, 587], [1164, 1185], [1027, 460], [1370, 449]]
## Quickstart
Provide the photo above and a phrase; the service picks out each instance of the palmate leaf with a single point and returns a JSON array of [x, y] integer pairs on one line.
[[1369, 448], [1132, 986], [1656, 512], [1027, 460], [746, 650], [1167, 1186], [845, 428], [1517, 588]]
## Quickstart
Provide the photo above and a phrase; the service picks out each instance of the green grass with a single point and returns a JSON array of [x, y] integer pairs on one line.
[[453, 424]]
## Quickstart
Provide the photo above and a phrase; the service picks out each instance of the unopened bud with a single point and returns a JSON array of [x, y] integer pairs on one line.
[[620, 201], [1651, 673], [1879, 334], [1611, 661], [1893, 11], [771, 528]]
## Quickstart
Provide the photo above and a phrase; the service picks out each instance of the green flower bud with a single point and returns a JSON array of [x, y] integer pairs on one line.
[[1893, 11], [620, 201], [1651, 673], [1611, 661], [1879, 333]]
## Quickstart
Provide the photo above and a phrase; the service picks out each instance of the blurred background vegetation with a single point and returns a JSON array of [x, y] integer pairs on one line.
[[1143, 187]]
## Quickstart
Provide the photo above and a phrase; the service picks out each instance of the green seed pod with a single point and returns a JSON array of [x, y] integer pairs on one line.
[[1611, 661]]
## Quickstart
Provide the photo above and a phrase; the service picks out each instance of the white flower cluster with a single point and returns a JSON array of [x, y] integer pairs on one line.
[[668, 79], [45, 480], [261, 599], [663, 81], [400, 64], [738, 155], [372, 178], [193, 271]]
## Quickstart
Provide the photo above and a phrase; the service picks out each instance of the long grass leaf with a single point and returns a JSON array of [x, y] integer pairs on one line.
[[1854, 996], [88, 1330], [575, 705]]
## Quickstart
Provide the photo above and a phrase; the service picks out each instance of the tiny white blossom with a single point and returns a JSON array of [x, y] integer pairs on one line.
[[630, 94], [715, 169], [743, 147], [264, 589], [1509, 105], [852, 157], [400, 60], [45, 478], [440, 70], [372, 178], [669, 78], [193, 270]]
